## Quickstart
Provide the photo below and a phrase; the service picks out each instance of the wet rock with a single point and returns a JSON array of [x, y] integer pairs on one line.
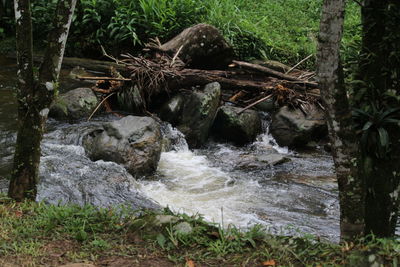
[[135, 142], [130, 100], [73, 105], [173, 139], [291, 127], [261, 161], [198, 113], [183, 228], [68, 176], [72, 81], [267, 105], [203, 47], [171, 111], [239, 129], [272, 159]]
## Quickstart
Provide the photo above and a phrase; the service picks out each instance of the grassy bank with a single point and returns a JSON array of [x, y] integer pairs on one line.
[[34, 234], [284, 30]]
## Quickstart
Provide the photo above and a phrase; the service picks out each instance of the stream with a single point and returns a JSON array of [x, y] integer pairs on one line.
[[217, 181]]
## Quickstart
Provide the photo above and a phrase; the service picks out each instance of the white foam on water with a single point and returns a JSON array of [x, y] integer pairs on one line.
[[189, 184]]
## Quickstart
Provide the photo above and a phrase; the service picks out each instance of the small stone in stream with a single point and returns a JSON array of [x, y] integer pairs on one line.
[[261, 161], [272, 159]]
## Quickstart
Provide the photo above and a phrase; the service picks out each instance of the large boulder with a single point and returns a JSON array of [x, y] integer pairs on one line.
[[203, 47], [68, 176], [239, 129], [198, 113], [135, 142], [74, 105], [291, 127]]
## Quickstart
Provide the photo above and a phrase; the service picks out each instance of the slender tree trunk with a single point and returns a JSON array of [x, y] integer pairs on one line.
[[26, 158], [35, 97], [338, 114]]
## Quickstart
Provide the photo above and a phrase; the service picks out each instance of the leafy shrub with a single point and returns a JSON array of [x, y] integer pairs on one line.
[[284, 30]]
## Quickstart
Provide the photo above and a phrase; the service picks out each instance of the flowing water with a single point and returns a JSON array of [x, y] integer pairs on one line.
[[219, 181]]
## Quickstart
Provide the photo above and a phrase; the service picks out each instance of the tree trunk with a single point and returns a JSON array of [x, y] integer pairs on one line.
[[379, 69], [34, 97], [338, 114]]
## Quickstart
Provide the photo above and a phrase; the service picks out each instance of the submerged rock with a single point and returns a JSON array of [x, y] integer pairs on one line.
[[291, 127], [198, 113], [135, 142], [261, 161], [74, 105], [239, 129]]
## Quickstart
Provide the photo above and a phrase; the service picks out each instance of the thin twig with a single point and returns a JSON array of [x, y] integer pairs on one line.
[[322, 107], [99, 105], [176, 55], [102, 78], [298, 64], [111, 57], [255, 103]]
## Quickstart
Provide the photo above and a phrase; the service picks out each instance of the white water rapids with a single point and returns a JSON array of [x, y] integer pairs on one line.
[[209, 182]]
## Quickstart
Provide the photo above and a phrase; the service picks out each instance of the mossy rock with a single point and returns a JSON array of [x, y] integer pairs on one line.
[[75, 104]]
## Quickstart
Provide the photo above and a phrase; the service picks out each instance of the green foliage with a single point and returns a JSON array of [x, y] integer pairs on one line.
[[373, 127], [284, 30]]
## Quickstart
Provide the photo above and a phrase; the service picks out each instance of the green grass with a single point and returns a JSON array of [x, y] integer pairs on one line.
[[33, 234], [283, 30]]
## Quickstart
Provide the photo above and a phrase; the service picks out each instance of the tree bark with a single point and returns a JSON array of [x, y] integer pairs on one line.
[[379, 69], [274, 73], [34, 97], [338, 114], [24, 175]]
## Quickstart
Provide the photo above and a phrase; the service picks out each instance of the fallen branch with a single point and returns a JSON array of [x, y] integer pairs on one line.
[[273, 73], [99, 105], [255, 103], [102, 78], [298, 64]]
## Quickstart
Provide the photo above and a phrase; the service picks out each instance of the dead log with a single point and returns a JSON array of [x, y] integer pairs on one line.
[[88, 64], [228, 80], [274, 73]]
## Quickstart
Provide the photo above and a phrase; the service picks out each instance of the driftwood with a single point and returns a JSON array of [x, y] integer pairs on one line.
[[274, 73], [255, 103], [248, 84], [88, 64], [89, 78]]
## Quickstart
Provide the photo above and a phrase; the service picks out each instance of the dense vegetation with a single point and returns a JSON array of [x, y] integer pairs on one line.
[[37, 234], [283, 30]]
